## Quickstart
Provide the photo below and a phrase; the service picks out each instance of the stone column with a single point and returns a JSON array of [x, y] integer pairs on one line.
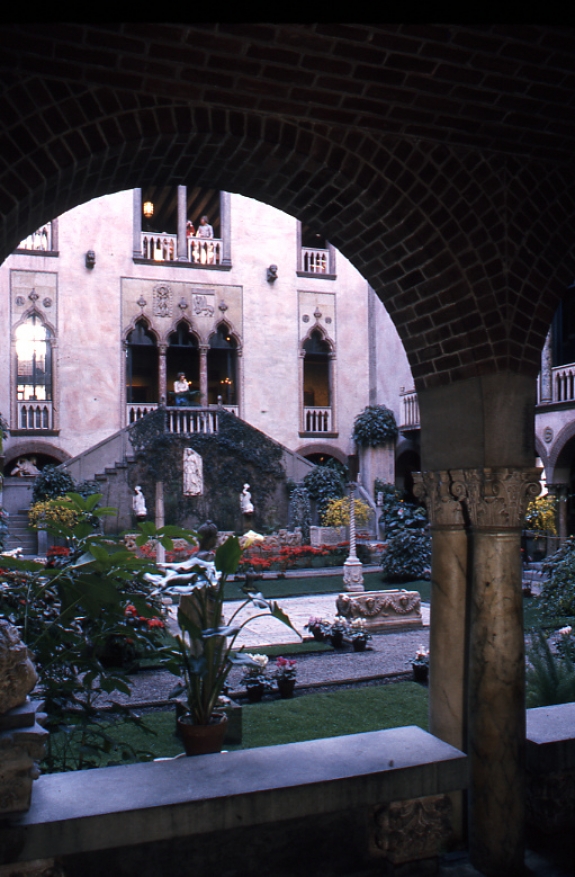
[[162, 374], [495, 501], [204, 348], [226, 228], [448, 627], [182, 255], [137, 227], [546, 385]]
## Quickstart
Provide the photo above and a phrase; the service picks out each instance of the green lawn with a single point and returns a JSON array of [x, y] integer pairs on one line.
[[308, 717]]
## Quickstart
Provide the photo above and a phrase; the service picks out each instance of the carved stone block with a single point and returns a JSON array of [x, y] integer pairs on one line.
[[22, 746], [319, 536], [404, 831], [382, 610]]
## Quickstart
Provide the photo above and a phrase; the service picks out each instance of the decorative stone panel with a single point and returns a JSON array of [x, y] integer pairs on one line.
[[405, 831], [382, 610]]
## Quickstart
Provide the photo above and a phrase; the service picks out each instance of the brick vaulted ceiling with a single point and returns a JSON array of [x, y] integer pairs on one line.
[[437, 158]]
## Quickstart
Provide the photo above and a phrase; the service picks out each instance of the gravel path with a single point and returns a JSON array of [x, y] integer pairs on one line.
[[387, 655]]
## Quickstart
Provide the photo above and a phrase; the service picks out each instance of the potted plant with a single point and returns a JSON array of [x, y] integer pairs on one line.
[[285, 674], [358, 635], [337, 632], [254, 677], [319, 628], [205, 652], [420, 665]]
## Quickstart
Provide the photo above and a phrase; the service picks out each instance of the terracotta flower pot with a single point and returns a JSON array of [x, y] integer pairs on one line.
[[203, 739]]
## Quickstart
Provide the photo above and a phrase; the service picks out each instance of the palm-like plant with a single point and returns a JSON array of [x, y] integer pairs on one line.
[[206, 646]]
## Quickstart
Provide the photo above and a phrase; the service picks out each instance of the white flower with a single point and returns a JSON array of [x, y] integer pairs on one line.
[[565, 631], [260, 660], [249, 538]]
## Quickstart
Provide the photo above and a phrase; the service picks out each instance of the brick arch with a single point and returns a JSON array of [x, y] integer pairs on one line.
[[435, 217]]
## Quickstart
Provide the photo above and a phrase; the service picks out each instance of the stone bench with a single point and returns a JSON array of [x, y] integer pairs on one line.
[[355, 798], [551, 767]]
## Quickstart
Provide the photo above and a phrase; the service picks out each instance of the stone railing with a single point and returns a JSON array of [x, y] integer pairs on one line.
[[385, 792], [164, 248], [314, 261], [182, 419], [160, 247], [409, 410], [137, 411], [41, 239], [562, 385], [317, 419], [35, 415], [205, 251]]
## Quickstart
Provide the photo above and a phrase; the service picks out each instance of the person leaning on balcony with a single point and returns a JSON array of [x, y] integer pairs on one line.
[[205, 231], [190, 235], [181, 387]]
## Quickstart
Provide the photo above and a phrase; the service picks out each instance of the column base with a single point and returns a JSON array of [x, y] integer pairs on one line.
[[352, 574]]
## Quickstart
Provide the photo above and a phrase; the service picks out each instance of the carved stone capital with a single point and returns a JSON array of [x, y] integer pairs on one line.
[[497, 498], [405, 831], [435, 490]]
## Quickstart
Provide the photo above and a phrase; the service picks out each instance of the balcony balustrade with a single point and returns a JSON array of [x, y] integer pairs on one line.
[[34, 415], [184, 420], [164, 248], [317, 419], [41, 239], [410, 410], [314, 261], [562, 385]]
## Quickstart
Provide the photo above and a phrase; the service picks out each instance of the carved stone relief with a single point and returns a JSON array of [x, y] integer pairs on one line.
[[17, 674], [162, 300], [404, 831], [382, 610]]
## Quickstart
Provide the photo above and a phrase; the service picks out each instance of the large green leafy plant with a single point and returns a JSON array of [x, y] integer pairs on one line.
[[68, 614], [324, 484], [558, 592], [205, 652]]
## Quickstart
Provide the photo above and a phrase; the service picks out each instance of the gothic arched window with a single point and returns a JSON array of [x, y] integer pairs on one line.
[[222, 357], [34, 360], [141, 365], [182, 355]]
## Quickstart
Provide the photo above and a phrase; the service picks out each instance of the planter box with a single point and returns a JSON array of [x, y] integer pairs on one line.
[[320, 536]]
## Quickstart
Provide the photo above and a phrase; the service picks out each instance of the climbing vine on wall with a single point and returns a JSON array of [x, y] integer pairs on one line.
[[236, 454]]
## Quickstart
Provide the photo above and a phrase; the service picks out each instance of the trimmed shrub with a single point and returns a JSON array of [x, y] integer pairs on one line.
[[324, 484], [558, 592], [374, 427], [407, 556]]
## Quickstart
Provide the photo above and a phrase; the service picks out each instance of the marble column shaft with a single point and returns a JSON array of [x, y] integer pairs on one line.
[[204, 348], [495, 502], [448, 628]]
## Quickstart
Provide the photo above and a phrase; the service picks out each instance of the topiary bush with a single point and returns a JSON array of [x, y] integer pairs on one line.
[[374, 427], [52, 483], [396, 513], [407, 556], [324, 484]]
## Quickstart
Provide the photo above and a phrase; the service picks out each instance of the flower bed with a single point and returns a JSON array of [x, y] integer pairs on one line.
[[263, 559]]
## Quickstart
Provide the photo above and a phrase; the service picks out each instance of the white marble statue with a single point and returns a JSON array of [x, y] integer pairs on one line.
[[246, 501], [139, 503], [193, 473], [25, 466]]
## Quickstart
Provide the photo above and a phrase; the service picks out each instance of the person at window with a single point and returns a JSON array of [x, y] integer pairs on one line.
[[205, 232], [181, 387]]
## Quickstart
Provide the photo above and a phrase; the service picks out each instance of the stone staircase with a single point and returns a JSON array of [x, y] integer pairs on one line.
[[19, 536]]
